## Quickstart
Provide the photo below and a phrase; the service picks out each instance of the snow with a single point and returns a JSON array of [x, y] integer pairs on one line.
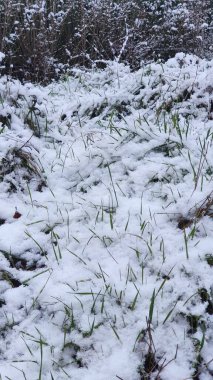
[[2, 56], [101, 166]]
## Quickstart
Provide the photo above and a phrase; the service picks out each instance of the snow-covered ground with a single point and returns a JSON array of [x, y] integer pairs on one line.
[[106, 224]]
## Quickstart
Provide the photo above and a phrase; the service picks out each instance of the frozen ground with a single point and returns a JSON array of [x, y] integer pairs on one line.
[[106, 225]]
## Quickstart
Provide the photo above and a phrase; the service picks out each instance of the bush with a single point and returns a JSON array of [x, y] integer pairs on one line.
[[42, 38]]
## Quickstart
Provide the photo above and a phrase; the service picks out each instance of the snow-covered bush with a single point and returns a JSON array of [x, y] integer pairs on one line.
[[41, 38]]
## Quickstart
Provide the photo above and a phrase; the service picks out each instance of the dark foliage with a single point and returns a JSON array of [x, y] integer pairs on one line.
[[42, 38]]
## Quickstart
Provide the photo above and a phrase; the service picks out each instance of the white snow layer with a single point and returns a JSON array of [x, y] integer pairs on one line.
[[97, 173]]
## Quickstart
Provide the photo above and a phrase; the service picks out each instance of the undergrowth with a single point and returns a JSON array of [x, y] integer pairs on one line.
[[107, 225]]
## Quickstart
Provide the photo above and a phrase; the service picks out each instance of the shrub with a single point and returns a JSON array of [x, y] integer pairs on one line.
[[40, 38]]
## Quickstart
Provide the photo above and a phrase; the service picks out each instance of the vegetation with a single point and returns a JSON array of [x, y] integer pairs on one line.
[[106, 198], [106, 224], [42, 38]]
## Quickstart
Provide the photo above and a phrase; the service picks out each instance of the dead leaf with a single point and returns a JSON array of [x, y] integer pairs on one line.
[[17, 215]]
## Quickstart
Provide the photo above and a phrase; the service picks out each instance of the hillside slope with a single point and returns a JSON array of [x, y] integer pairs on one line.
[[106, 224]]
